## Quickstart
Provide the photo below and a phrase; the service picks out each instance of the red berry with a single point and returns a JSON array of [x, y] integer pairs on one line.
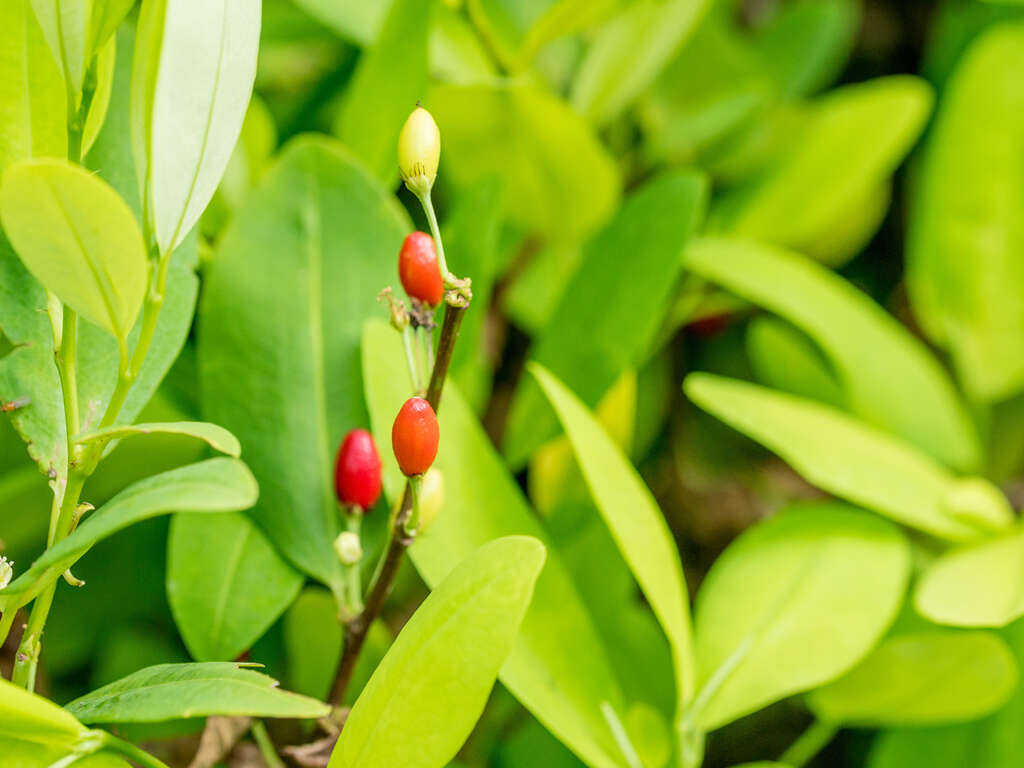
[[414, 436], [357, 471], [418, 269]]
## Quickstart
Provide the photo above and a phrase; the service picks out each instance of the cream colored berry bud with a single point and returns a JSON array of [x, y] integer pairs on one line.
[[419, 151], [348, 548], [431, 497], [6, 571]]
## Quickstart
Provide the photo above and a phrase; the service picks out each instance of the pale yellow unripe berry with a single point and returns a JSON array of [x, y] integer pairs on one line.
[[348, 548], [6, 571], [419, 151], [431, 497]]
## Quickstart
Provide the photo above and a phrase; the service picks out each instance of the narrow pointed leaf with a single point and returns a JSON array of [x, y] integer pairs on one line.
[[213, 435]]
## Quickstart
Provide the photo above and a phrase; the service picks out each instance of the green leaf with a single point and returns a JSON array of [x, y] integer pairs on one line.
[[105, 68], [78, 238], [784, 358], [556, 177], [289, 347], [33, 104], [856, 137], [993, 742], [628, 52], [172, 691], [430, 689], [636, 523], [964, 270], [312, 642], [851, 459], [201, 53], [389, 80], [612, 310], [558, 668], [22, 754], [226, 583], [215, 485], [979, 585], [807, 43], [213, 435], [24, 716], [889, 377], [922, 678], [769, 604]]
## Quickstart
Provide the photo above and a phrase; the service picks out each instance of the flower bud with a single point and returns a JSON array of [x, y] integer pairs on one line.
[[348, 549], [415, 436], [357, 471], [6, 571], [419, 151], [418, 269], [431, 497]]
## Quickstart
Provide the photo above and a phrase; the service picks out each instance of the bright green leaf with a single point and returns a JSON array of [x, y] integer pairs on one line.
[[922, 678], [890, 379], [556, 177], [851, 459], [964, 267], [79, 238], [215, 485], [784, 358], [213, 435], [628, 52], [390, 79], [614, 305], [33, 104], [27, 717], [199, 53], [430, 689], [770, 603], [980, 585], [289, 347], [172, 691], [105, 66], [856, 137], [635, 521], [225, 582], [558, 668]]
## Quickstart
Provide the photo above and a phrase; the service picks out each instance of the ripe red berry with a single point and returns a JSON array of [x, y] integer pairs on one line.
[[414, 436], [418, 269], [357, 471]]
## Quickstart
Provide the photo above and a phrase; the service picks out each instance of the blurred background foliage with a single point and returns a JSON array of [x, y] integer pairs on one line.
[[584, 143]]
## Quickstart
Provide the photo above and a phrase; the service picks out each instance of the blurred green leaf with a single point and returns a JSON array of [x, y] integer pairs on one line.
[[964, 270], [171, 691], [27, 717], [922, 678], [201, 53], [611, 311], [996, 741], [628, 52], [312, 639], [23, 754], [226, 583], [215, 485], [851, 459], [636, 523], [78, 238], [556, 177], [105, 68], [890, 379], [806, 44], [558, 668], [213, 435], [33, 103], [294, 277], [768, 606], [784, 358], [980, 585], [390, 79], [430, 689], [855, 138]]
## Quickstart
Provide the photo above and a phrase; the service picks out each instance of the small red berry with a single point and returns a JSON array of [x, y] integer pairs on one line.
[[414, 436], [357, 471], [418, 269]]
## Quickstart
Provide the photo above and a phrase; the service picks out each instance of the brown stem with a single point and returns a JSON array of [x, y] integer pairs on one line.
[[399, 541]]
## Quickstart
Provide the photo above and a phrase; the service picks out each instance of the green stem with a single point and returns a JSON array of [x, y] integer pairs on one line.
[[270, 757], [66, 357], [353, 577], [125, 749], [809, 744], [435, 230], [413, 523]]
